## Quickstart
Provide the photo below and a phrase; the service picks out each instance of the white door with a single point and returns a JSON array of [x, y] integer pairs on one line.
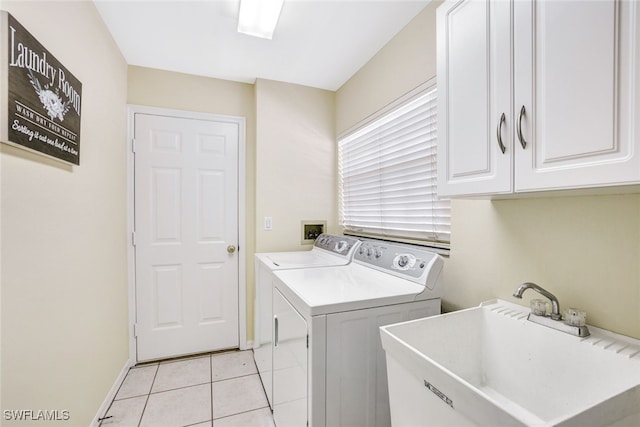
[[186, 235], [474, 97]]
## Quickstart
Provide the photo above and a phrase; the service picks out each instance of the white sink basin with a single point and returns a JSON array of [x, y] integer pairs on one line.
[[490, 366]]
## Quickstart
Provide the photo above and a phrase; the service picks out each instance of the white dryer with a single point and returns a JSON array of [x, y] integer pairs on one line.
[[329, 367], [328, 250]]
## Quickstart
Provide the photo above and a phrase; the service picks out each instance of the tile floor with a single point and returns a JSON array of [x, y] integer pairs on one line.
[[216, 390]]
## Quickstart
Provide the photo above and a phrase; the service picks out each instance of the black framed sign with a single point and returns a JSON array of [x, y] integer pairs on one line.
[[41, 98]]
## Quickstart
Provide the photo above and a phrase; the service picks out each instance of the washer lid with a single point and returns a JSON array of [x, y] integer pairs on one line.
[[327, 290], [327, 250], [301, 259]]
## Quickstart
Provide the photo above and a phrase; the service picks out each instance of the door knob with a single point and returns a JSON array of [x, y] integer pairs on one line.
[[231, 249]]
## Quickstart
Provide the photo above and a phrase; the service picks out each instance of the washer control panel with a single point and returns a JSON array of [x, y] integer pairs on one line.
[[408, 261], [341, 245]]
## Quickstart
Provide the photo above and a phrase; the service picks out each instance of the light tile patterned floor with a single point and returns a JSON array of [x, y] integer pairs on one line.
[[217, 390]]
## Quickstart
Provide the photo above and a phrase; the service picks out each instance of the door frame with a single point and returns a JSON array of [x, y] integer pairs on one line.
[[132, 110]]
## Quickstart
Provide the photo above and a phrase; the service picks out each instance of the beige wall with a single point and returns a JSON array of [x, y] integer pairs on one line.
[[165, 89], [64, 267], [586, 249], [406, 62], [296, 162]]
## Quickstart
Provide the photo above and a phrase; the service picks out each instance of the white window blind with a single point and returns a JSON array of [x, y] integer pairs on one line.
[[388, 175]]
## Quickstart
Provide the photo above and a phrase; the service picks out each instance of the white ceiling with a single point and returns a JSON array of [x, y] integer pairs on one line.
[[318, 43]]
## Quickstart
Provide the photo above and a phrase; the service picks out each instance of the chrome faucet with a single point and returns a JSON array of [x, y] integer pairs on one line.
[[555, 305], [555, 319]]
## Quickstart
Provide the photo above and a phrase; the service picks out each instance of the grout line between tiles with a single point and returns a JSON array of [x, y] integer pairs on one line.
[[240, 413], [264, 390], [237, 376], [144, 408], [179, 388], [129, 398], [211, 386], [201, 422]]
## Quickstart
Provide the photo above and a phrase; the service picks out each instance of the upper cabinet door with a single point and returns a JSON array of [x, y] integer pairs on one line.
[[577, 92], [475, 125]]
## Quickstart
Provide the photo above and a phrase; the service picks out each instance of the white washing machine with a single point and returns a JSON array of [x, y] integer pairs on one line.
[[328, 250], [329, 367]]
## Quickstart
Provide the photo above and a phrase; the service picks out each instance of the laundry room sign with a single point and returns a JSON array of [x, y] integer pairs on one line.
[[41, 100]]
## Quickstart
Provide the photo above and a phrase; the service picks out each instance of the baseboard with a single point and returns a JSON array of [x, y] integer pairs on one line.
[[111, 395]]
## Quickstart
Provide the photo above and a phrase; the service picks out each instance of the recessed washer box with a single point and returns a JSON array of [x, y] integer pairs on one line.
[[311, 230]]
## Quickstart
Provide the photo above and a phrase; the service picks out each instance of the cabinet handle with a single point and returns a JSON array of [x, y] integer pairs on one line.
[[499, 131], [275, 333], [519, 129]]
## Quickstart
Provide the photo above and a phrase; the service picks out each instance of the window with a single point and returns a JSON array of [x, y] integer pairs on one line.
[[388, 175]]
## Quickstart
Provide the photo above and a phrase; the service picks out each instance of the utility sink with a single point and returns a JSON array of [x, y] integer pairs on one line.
[[490, 366]]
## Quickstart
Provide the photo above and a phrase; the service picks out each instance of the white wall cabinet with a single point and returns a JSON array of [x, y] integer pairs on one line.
[[537, 95], [474, 91]]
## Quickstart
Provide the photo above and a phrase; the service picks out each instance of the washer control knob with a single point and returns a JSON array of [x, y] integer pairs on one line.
[[341, 246], [378, 253], [404, 261], [369, 252]]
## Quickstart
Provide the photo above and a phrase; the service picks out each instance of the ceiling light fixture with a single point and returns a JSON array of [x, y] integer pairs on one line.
[[259, 17]]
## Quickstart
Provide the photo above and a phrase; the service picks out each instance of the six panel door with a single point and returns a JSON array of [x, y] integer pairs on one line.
[[186, 232]]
